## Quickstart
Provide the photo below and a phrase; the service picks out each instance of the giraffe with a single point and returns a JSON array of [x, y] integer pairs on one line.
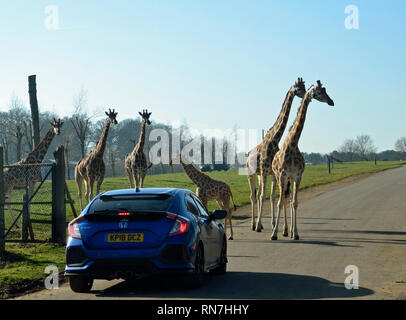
[[288, 163], [260, 158], [19, 176], [92, 168], [210, 189], [136, 162]]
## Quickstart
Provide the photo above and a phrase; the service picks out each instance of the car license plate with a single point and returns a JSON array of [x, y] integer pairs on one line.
[[125, 237]]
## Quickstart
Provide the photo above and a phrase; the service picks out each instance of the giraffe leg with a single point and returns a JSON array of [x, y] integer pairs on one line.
[[285, 225], [99, 183], [91, 184], [294, 233], [87, 189], [257, 195], [291, 219], [130, 177], [282, 187], [261, 197], [142, 178], [273, 200], [226, 205], [136, 178], [251, 181], [79, 180]]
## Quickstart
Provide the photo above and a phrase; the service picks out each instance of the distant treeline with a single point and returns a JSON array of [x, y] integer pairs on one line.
[[388, 155]]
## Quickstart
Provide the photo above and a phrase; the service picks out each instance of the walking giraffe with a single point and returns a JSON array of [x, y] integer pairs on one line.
[[210, 189], [136, 162], [288, 163], [92, 168], [260, 158]]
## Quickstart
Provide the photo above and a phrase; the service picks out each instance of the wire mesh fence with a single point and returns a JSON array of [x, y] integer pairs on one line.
[[28, 202]]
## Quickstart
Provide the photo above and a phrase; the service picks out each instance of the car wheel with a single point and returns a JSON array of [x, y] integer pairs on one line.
[[80, 284], [222, 268], [196, 279]]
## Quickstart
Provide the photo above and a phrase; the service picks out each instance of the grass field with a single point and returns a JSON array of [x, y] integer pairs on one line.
[[24, 264]]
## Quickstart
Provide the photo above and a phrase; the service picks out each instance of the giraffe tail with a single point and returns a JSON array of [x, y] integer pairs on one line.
[[149, 166]]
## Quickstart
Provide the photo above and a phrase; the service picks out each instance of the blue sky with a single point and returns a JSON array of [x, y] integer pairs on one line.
[[214, 64]]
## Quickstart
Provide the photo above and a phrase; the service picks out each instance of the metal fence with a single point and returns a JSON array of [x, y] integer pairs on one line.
[[28, 207], [33, 207]]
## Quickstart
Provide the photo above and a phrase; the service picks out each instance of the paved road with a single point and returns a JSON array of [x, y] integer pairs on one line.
[[361, 224]]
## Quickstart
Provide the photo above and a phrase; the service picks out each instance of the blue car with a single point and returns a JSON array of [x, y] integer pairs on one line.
[[131, 233]]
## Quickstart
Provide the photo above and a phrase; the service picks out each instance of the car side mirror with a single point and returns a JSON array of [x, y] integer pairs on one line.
[[218, 214]]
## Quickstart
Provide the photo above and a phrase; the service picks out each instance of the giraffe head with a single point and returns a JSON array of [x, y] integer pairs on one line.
[[319, 93], [145, 116], [57, 124], [299, 88], [112, 116]]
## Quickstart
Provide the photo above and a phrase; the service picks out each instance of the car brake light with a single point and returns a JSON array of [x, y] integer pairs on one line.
[[124, 213], [179, 227], [73, 228]]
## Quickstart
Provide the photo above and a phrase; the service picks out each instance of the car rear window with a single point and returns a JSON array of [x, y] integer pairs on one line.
[[131, 203]]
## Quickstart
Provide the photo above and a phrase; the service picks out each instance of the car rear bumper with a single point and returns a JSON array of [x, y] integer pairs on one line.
[[125, 268], [112, 264]]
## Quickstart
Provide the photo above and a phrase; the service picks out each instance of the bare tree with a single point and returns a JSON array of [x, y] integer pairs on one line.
[[5, 140], [19, 119], [400, 144], [364, 147], [348, 148], [81, 120]]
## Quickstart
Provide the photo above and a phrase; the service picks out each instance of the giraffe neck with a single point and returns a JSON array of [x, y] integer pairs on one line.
[[101, 144], [297, 127], [39, 152], [141, 140], [192, 172], [277, 130]]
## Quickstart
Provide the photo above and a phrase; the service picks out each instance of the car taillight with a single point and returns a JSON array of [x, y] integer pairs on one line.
[[73, 228], [179, 227]]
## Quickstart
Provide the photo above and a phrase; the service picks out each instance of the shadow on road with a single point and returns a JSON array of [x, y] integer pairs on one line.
[[377, 232], [286, 240], [236, 285]]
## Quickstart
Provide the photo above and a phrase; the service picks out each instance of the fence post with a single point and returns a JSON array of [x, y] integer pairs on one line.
[[2, 225], [32, 91], [58, 198], [25, 218]]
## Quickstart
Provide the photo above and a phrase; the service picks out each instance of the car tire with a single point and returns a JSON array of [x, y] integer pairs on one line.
[[196, 279], [80, 284], [222, 268]]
